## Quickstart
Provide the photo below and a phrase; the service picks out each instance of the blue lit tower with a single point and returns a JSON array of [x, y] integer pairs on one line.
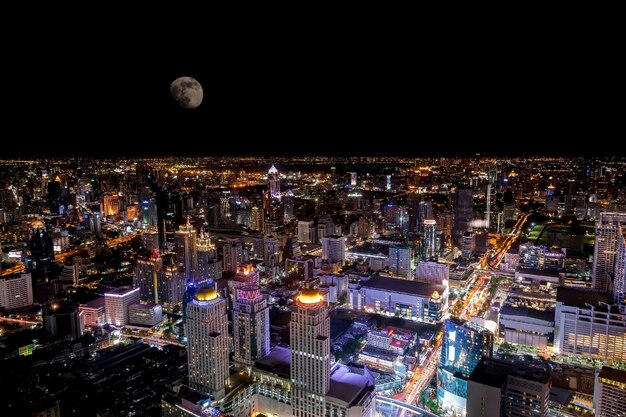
[[464, 344]]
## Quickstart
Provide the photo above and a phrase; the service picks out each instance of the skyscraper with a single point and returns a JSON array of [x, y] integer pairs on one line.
[[608, 228], [271, 254], [399, 261], [310, 354], [424, 211], [186, 254], [464, 345], [251, 324], [54, 196], [233, 255], [146, 277], [208, 264], [116, 304], [334, 249], [608, 394], [463, 213], [274, 182], [619, 285], [171, 287], [207, 351], [429, 241]]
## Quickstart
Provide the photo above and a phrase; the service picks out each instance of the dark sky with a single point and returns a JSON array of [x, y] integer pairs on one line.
[[505, 91]]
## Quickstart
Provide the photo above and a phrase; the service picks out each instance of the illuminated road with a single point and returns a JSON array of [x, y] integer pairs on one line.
[[402, 407], [19, 267], [495, 260], [154, 340], [22, 322]]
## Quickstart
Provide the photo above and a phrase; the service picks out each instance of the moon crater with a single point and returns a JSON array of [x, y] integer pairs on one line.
[[187, 92]]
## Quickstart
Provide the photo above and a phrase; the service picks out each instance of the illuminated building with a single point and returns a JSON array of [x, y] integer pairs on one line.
[[209, 266], [527, 326], [310, 354], [111, 205], [251, 325], [609, 397], [541, 257], [464, 345], [467, 244], [353, 179], [92, 313], [287, 204], [325, 227], [434, 272], [306, 231], [187, 403], [429, 249], [409, 299], [334, 249], [498, 388], [145, 314], [171, 287], [588, 325], [150, 239], [233, 255], [274, 182], [424, 211], [271, 253], [619, 284], [186, 254], [463, 213], [207, 333], [608, 228], [399, 261], [16, 291], [300, 267], [116, 304], [149, 213], [146, 277], [256, 218]]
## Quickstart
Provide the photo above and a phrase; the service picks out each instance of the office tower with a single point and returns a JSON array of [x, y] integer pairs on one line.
[[111, 205], [251, 324], [353, 179], [16, 291], [171, 286], [274, 182], [150, 239], [464, 345], [94, 222], [207, 350], [587, 324], [325, 227], [288, 203], [149, 213], [92, 313], [271, 254], [41, 254], [148, 315], [467, 245], [463, 213], [334, 249], [208, 264], [256, 218], [608, 228], [306, 231], [399, 261], [310, 354], [619, 285], [497, 388], [429, 249], [433, 272], [186, 253], [55, 196], [61, 319], [608, 395], [146, 277], [116, 304], [424, 211], [233, 255], [388, 183]]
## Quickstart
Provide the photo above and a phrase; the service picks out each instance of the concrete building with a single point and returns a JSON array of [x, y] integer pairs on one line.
[[307, 231], [399, 261], [16, 291], [92, 313], [146, 277], [497, 388], [251, 325], [207, 333], [145, 314], [609, 397], [116, 303], [467, 244], [186, 253], [527, 326], [233, 255], [608, 228], [432, 272], [334, 249]]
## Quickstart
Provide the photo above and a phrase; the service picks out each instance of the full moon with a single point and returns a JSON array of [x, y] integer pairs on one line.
[[187, 92]]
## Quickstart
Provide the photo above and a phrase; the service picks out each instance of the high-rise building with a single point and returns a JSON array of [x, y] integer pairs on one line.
[[608, 394], [433, 272], [497, 388], [186, 253], [233, 255], [256, 218], [171, 287], [464, 345], [399, 261], [271, 254], [424, 211], [429, 249], [146, 277], [463, 213], [16, 291], [55, 196], [209, 266], [116, 303], [207, 333], [588, 325], [306, 231], [619, 284], [467, 244], [274, 182], [334, 249], [310, 354], [61, 319], [608, 228], [251, 324], [111, 204]]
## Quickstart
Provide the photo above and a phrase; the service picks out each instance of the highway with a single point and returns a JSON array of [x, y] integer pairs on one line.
[[22, 322], [495, 260]]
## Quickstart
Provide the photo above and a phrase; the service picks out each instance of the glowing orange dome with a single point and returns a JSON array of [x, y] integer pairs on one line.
[[206, 294], [309, 296], [435, 296]]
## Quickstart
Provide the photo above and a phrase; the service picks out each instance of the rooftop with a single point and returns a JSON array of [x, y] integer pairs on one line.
[[538, 272], [528, 312], [402, 286], [121, 291], [277, 362], [494, 372], [348, 387], [577, 297], [97, 303], [613, 374]]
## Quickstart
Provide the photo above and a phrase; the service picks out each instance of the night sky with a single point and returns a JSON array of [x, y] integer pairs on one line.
[[514, 92]]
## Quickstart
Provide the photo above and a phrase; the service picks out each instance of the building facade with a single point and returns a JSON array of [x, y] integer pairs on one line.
[[251, 325], [116, 303], [609, 397]]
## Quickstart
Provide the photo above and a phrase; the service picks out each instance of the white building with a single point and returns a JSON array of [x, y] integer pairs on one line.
[[334, 249], [432, 272], [588, 325], [608, 228], [145, 314], [116, 303], [186, 253], [399, 261], [306, 231], [207, 351], [251, 325], [92, 313], [619, 284], [609, 397], [16, 292]]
